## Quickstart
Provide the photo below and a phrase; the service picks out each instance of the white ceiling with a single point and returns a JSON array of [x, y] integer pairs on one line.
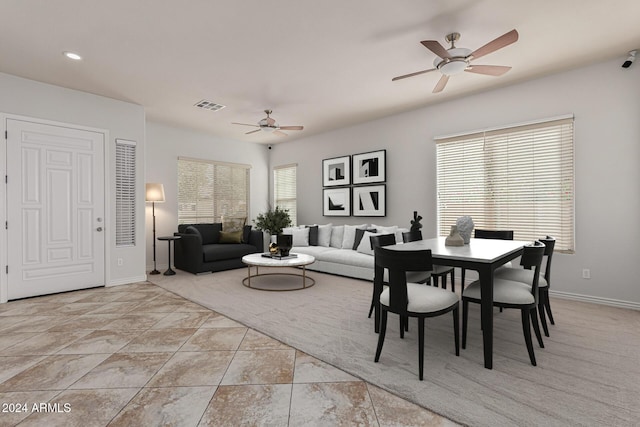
[[321, 64]]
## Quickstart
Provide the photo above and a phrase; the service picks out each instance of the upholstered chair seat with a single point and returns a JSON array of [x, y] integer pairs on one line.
[[424, 299], [504, 292]]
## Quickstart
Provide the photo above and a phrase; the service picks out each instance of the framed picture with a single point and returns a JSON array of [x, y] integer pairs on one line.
[[336, 171], [370, 200], [336, 201], [370, 167]]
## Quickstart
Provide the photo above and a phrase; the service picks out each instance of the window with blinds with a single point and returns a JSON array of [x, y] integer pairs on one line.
[[125, 193], [519, 178], [209, 190], [284, 190]]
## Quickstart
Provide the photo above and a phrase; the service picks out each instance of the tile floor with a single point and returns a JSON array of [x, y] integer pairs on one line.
[[137, 355]]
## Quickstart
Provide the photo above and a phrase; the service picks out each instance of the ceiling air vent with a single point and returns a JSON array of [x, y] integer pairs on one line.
[[208, 105]]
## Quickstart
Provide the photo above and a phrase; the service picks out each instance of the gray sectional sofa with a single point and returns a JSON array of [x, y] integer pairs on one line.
[[344, 250]]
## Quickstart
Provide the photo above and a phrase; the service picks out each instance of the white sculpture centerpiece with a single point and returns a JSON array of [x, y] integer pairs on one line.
[[465, 227]]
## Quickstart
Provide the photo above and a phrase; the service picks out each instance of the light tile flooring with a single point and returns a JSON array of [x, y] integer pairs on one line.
[[137, 355]]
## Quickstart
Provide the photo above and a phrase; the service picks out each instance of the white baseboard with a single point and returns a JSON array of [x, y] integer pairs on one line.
[[127, 281], [595, 300]]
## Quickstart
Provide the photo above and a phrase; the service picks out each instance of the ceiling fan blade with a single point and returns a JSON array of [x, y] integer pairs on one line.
[[502, 41], [245, 124], [252, 131], [489, 70], [412, 74], [292, 127], [277, 132], [441, 83], [436, 48]]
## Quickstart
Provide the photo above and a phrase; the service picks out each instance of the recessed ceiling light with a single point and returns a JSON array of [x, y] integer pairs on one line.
[[72, 55]]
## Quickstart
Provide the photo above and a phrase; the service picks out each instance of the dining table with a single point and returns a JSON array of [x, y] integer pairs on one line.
[[481, 255]]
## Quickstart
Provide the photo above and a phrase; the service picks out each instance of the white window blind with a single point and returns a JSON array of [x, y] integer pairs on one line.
[[209, 190], [125, 193], [284, 190], [519, 178]]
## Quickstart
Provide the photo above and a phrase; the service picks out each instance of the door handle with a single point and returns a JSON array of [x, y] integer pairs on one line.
[[99, 229]]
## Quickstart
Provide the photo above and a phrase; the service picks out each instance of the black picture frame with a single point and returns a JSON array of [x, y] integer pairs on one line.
[[369, 167], [336, 171], [370, 200], [336, 201]]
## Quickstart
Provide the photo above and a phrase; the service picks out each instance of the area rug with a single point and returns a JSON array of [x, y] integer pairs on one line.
[[587, 374]]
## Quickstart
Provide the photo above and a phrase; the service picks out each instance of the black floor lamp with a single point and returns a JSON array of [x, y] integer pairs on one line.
[[155, 193]]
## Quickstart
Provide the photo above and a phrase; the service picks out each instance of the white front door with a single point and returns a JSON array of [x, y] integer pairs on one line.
[[55, 209]]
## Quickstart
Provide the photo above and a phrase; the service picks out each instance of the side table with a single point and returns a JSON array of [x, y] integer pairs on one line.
[[169, 239]]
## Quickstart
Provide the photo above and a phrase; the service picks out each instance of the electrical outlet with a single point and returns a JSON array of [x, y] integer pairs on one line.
[[120, 262], [586, 273]]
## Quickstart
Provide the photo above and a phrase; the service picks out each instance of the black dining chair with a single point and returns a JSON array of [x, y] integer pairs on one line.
[[489, 234], [439, 271], [525, 276], [412, 299], [512, 294], [413, 276]]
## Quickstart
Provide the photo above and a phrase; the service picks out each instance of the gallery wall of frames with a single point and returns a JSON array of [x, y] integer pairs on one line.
[[355, 184]]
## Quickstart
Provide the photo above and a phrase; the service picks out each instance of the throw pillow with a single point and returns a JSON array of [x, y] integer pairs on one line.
[[350, 235], [231, 236], [359, 234], [246, 234], [365, 244], [324, 235], [300, 236], [337, 233], [233, 223], [313, 235]]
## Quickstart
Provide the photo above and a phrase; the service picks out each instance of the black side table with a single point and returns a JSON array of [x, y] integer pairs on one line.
[[169, 239]]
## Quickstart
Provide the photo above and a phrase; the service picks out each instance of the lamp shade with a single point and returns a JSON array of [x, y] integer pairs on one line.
[[155, 192]]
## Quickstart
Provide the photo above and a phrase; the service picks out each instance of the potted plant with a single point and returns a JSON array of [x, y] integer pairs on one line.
[[273, 221]]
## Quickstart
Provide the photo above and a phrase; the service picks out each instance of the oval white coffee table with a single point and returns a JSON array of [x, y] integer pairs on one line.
[[257, 261]]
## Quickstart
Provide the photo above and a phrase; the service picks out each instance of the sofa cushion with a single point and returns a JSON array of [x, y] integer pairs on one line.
[[348, 257], [246, 234], [359, 234], [300, 236], [324, 235], [233, 223], [337, 233], [226, 251], [210, 232], [365, 244], [313, 235], [192, 230], [230, 237], [350, 235]]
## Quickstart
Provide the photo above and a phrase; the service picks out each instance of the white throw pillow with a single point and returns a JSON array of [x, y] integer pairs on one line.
[[300, 236], [349, 236], [324, 235], [337, 232], [365, 244]]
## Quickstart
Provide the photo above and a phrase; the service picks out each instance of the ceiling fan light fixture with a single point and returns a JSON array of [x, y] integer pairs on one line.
[[453, 66]]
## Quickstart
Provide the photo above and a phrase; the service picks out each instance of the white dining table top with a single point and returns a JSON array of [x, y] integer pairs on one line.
[[478, 250]]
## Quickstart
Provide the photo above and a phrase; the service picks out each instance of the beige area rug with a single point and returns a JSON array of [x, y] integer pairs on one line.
[[588, 374]]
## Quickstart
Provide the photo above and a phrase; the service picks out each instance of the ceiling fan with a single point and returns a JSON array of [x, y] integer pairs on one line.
[[268, 124], [456, 59]]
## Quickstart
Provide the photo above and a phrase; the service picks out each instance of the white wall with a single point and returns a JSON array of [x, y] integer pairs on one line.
[[605, 100], [120, 120], [164, 145]]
